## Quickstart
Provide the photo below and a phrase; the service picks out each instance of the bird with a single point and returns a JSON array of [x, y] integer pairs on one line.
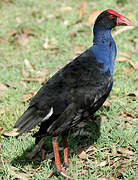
[[76, 91]]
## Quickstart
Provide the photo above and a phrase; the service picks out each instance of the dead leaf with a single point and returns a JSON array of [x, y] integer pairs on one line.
[[128, 114], [115, 159], [66, 8], [125, 151], [23, 83], [18, 175], [43, 72], [125, 55], [114, 150], [53, 47], [29, 65], [14, 32], [122, 59], [110, 130], [119, 175], [22, 36], [18, 20], [22, 39], [108, 159], [49, 16], [102, 164], [107, 103], [47, 45], [80, 173], [28, 96], [82, 9], [11, 133], [28, 31], [104, 118], [2, 40], [78, 49], [77, 24], [22, 72], [134, 64], [81, 153], [128, 70], [134, 94], [66, 22], [126, 28], [92, 17], [126, 59], [3, 88], [102, 178], [73, 34], [91, 148], [127, 125], [11, 84], [34, 79], [112, 178]]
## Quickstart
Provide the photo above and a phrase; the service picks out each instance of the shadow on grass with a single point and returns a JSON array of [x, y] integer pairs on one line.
[[84, 135]]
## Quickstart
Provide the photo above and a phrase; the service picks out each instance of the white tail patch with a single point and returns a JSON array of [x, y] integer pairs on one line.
[[48, 115]]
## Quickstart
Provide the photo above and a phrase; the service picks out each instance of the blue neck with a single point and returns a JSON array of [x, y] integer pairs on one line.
[[104, 48], [102, 36]]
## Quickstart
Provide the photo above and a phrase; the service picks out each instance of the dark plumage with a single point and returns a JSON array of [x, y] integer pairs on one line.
[[77, 90]]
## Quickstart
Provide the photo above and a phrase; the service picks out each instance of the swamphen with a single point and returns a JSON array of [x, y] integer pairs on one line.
[[77, 90]]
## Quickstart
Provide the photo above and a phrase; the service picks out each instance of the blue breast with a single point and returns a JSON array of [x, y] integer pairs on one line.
[[104, 48]]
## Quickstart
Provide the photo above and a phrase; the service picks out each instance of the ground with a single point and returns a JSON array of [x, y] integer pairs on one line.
[[36, 39]]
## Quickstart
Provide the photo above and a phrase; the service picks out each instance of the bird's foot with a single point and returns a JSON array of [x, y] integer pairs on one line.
[[61, 172]]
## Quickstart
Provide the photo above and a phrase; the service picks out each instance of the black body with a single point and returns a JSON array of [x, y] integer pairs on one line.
[[75, 92]]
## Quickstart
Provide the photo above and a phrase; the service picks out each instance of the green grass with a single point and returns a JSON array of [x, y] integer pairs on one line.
[[115, 126]]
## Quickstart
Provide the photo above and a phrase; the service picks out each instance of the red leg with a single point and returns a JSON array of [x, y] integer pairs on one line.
[[65, 150], [56, 153], [58, 168]]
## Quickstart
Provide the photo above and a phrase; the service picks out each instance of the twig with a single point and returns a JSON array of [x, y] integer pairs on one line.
[[126, 28]]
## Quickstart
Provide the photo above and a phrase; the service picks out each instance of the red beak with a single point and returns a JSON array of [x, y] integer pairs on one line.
[[123, 21]]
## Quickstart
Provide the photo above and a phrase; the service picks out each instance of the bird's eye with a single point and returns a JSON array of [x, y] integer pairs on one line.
[[111, 17]]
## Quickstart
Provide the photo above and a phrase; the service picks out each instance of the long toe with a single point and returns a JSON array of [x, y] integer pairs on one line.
[[61, 172], [65, 174]]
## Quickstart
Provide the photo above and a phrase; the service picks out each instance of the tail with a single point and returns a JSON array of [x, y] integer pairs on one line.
[[30, 118]]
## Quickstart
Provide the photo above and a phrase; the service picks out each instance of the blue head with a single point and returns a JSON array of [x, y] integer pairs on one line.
[[104, 46]]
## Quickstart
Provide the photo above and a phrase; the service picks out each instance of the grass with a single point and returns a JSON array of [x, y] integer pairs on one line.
[[115, 126]]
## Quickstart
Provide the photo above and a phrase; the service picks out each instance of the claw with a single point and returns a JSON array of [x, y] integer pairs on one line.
[[64, 174], [61, 172]]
